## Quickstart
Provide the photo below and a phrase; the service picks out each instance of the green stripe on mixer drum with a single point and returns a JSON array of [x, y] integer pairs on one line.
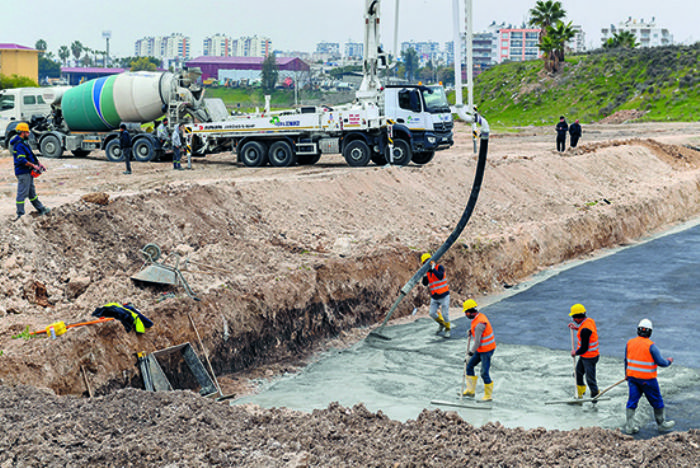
[[79, 110], [109, 110]]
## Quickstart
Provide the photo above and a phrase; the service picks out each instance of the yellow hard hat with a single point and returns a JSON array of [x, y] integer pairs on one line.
[[425, 257], [577, 309], [22, 127], [469, 304]]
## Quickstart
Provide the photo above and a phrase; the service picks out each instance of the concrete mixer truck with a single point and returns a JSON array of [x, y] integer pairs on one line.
[[83, 118]]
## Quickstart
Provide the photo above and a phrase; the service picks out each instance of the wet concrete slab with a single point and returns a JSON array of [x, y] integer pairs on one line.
[[532, 364]]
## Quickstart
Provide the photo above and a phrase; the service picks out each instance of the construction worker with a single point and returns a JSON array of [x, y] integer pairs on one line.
[[586, 349], [176, 141], [575, 131], [641, 359], [125, 147], [27, 166], [483, 344], [162, 132], [436, 281]]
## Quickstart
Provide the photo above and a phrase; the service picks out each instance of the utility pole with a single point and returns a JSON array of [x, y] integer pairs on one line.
[[106, 35]]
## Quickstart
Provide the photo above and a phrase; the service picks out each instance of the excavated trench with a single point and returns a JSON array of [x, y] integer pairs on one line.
[[284, 293]]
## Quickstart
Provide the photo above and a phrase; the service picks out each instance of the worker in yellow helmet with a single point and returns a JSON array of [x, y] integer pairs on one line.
[[436, 281], [481, 350], [27, 167], [586, 348]]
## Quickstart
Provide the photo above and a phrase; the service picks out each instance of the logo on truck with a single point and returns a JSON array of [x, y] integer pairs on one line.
[[276, 122]]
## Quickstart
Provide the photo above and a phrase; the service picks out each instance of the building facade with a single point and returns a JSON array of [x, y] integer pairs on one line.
[[217, 45], [251, 47], [19, 60], [354, 50], [578, 43], [647, 34], [518, 44], [175, 46]]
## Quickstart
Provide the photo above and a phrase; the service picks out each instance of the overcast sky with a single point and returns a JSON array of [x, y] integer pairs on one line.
[[300, 24]]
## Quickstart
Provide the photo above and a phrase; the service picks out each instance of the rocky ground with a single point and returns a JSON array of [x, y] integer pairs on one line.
[[285, 260]]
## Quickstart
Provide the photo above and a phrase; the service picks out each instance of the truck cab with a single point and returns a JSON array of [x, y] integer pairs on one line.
[[425, 113], [19, 105]]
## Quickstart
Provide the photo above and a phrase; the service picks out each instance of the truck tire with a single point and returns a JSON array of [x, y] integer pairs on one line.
[[423, 157], [254, 154], [308, 159], [281, 154], [143, 150], [80, 153], [50, 147], [402, 153], [357, 153], [113, 151]]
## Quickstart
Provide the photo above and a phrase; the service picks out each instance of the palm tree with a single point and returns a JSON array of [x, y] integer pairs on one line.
[[545, 14], [623, 39], [561, 34], [40, 46], [77, 49], [63, 54], [548, 47]]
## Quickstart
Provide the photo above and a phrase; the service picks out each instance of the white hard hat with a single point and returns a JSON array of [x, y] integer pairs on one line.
[[645, 323]]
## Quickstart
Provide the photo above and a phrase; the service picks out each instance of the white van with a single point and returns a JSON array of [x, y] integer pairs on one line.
[[19, 105]]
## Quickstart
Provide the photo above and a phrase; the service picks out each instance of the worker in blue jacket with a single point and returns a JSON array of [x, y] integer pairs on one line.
[[27, 167]]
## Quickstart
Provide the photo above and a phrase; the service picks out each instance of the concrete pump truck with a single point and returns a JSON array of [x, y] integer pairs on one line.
[[397, 124]]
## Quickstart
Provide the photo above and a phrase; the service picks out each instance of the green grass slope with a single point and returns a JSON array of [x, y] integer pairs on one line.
[[663, 82]]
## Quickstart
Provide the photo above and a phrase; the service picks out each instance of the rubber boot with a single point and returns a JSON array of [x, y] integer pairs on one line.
[[580, 390], [488, 392], [471, 386], [661, 422], [441, 323], [448, 327], [631, 427]]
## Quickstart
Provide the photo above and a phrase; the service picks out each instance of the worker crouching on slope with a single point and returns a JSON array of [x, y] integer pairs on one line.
[[641, 359], [483, 344], [436, 281], [586, 349]]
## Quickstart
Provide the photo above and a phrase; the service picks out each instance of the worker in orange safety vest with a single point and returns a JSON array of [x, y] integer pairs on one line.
[[436, 281], [481, 350], [641, 360], [586, 349]]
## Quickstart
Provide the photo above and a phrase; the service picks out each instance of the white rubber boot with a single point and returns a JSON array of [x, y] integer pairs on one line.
[[661, 422]]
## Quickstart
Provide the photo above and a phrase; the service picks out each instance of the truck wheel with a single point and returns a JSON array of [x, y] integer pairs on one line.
[[357, 153], [423, 157], [281, 154], [80, 153], [51, 147], [254, 154], [143, 150], [114, 152], [308, 159], [402, 153]]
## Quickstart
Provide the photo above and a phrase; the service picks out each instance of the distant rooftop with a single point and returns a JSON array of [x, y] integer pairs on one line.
[[7, 46], [104, 71]]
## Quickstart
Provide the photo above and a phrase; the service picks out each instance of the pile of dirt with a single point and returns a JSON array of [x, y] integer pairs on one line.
[[136, 428], [623, 116]]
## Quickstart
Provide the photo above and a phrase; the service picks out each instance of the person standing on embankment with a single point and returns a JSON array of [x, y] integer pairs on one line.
[[561, 128]]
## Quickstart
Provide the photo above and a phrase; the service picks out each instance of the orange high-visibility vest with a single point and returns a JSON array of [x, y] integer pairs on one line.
[[435, 285], [488, 339], [593, 341], [640, 362]]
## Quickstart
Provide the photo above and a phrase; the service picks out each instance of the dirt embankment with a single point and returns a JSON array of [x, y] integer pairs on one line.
[[284, 259]]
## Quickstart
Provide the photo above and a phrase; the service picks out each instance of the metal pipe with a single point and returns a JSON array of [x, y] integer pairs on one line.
[[457, 53], [468, 27]]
